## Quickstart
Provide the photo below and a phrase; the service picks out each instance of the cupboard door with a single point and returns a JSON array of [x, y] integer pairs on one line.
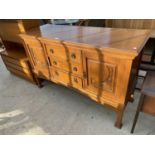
[[100, 76], [37, 57], [106, 75]]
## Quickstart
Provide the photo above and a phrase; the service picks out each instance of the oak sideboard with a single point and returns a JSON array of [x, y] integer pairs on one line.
[[101, 63]]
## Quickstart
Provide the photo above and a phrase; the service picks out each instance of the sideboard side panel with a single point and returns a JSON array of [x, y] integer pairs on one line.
[[37, 57]]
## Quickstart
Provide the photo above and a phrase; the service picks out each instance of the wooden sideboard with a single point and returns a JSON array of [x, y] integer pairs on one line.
[[101, 63]]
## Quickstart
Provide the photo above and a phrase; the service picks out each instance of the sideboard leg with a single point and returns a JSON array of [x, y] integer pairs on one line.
[[119, 117], [39, 82], [131, 98], [40, 85]]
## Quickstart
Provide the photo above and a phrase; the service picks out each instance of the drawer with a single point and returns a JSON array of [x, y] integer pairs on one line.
[[66, 78], [75, 54], [14, 61], [65, 53], [76, 82], [56, 51], [72, 67], [42, 72], [61, 76], [64, 65]]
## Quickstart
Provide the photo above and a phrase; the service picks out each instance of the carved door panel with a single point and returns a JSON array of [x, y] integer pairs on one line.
[[37, 58], [100, 76]]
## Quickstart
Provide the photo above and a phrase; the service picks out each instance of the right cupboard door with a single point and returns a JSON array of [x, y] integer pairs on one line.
[[101, 76], [106, 77]]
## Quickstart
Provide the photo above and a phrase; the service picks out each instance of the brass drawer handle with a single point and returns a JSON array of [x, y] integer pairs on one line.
[[51, 50], [75, 69], [56, 73], [54, 62], [75, 80], [73, 56]]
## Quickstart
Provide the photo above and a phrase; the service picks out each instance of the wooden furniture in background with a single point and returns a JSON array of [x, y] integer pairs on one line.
[[119, 23], [149, 50], [101, 63], [92, 22], [131, 23], [147, 67], [148, 58], [16, 62], [9, 29], [147, 99], [14, 56]]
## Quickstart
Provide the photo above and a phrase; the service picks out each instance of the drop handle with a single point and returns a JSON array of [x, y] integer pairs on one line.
[[56, 73], [51, 50], [75, 69], [73, 56], [54, 62], [75, 80]]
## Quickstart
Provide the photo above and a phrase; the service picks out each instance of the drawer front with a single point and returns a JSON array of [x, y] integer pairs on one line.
[[63, 52], [60, 76], [66, 78], [64, 65], [56, 51], [76, 82], [42, 72], [14, 61], [75, 54], [74, 68]]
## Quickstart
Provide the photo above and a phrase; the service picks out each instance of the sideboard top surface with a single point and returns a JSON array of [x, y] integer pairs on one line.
[[131, 40]]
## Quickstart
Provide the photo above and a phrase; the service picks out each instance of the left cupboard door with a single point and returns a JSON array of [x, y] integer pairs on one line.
[[37, 57]]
